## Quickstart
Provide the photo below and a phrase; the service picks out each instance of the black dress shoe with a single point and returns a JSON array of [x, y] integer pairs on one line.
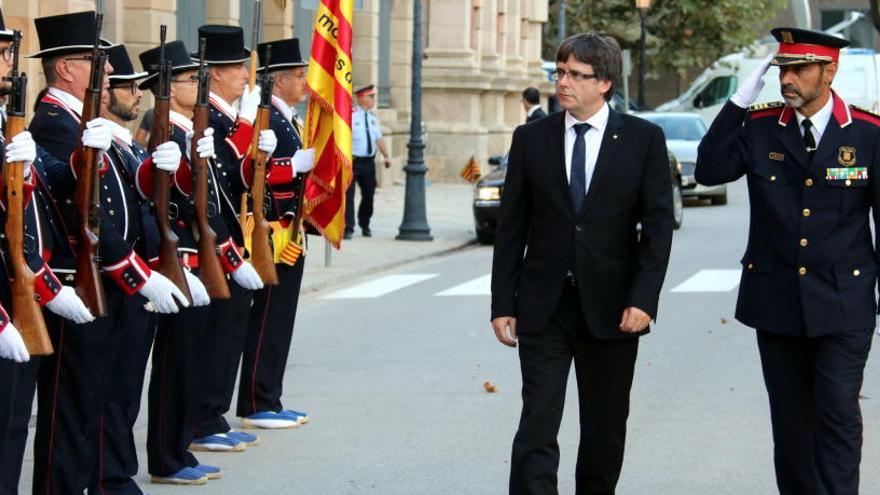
[[346, 235], [367, 232]]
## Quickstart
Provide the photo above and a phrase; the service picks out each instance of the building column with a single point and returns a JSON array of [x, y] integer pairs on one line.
[[225, 12], [277, 22]]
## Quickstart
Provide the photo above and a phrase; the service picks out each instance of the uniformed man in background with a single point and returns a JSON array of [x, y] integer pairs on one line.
[[366, 138], [810, 268]]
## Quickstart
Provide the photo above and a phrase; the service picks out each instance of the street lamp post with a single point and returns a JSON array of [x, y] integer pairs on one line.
[[643, 6], [415, 223], [560, 23]]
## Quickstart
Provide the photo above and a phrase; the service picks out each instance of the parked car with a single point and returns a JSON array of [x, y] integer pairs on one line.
[[487, 197], [684, 130]]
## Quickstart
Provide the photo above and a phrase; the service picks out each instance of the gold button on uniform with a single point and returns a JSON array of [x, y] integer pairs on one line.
[[802, 271], [809, 182], [806, 212], [856, 272], [804, 242], [848, 182], [772, 178], [751, 266]]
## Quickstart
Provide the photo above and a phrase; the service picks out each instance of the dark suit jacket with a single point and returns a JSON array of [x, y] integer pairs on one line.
[[536, 115], [810, 267], [615, 266]]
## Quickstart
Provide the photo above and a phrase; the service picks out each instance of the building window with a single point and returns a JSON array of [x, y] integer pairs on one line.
[[860, 33], [190, 15]]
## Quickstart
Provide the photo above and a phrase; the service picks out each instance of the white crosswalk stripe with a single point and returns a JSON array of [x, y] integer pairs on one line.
[[380, 286], [710, 281], [480, 286]]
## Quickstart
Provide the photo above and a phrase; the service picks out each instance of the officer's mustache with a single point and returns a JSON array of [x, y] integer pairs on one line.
[[790, 88]]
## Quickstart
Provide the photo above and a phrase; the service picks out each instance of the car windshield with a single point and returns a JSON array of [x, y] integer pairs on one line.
[[684, 128]]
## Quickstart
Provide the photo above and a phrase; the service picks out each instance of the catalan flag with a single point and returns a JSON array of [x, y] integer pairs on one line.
[[328, 119], [471, 171]]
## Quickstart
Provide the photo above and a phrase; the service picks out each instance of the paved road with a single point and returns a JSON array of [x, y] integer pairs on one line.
[[394, 386]]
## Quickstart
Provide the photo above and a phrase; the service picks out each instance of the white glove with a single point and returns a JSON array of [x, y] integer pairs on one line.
[[98, 134], [267, 141], [162, 293], [247, 277], [22, 149], [68, 305], [750, 88], [248, 103], [197, 290], [11, 345], [304, 160], [166, 156], [204, 146]]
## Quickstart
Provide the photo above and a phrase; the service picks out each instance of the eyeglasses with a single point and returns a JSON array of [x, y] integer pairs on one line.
[[131, 86], [186, 80], [573, 75], [6, 53]]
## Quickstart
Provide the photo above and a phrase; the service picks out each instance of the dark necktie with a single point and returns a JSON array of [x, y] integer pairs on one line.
[[809, 140], [577, 185], [369, 139]]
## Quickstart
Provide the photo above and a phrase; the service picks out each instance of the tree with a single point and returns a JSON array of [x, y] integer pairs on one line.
[[682, 34]]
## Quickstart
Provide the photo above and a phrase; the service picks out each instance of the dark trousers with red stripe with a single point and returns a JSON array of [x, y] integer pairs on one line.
[[18, 383], [221, 354], [117, 454], [270, 329], [71, 397], [174, 390]]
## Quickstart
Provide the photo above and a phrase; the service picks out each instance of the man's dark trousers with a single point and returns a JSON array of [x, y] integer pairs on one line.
[[174, 398], [364, 169], [604, 371], [813, 385], [227, 324], [270, 330], [19, 383]]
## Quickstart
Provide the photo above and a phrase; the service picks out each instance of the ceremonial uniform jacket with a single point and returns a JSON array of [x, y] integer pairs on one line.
[[181, 207], [55, 126], [810, 267], [283, 182]]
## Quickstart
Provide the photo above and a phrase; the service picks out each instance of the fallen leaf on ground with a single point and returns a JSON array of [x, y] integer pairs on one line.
[[488, 387]]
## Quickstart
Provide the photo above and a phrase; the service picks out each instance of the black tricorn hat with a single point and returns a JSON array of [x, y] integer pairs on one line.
[[66, 33], [805, 46], [5, 33], [175, 53], [223, 44], [123, 70], [284, 55]]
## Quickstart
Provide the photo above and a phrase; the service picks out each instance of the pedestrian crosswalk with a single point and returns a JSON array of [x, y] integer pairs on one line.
[[706, 281]]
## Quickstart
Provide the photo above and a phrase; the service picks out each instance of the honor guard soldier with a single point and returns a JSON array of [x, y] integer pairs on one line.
[[18, 370], [810, 268], [232, 127], [366, 138], [175, 392], [270, 326], [68, 427]]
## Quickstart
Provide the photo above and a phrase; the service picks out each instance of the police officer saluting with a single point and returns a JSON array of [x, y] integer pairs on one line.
[[810, 267]]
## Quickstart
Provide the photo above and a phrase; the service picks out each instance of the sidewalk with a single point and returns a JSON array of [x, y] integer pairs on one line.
[[450, 217]]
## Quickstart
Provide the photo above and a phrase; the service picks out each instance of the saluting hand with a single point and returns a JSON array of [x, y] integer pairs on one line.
[[750, 88], [505, 330], [634, 320]]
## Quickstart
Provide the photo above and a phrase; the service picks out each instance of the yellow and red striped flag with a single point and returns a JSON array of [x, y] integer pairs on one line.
[[471, 171], [328, 119]]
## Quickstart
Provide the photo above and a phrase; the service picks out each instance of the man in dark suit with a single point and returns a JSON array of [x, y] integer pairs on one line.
[[578, 184], [810, 267], [531, 102]]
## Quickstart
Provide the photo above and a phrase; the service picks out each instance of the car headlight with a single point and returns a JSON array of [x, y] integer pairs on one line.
[[488, 193]]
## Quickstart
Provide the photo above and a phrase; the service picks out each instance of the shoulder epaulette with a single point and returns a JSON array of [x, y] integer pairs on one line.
[[865, 114], [766, 106]]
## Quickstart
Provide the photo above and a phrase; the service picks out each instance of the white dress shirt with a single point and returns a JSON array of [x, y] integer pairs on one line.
[[819, 120], [592, 141], [359, 125], [68, 99]]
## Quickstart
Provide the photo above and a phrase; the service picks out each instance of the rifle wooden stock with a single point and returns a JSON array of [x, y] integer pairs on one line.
[[87, 199], [169, 263], [26, 313], [210, 272], [262, 257]]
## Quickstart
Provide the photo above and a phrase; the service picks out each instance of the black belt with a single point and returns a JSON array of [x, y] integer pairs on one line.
[[364, 158]]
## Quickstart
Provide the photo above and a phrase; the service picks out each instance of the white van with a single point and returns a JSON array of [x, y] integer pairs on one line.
[[856, 81]]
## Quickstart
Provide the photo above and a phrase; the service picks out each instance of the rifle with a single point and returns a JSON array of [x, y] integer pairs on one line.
[[261, 255], [169, 263], [87, 197], [296, 225], [210, 272], [26, 313]]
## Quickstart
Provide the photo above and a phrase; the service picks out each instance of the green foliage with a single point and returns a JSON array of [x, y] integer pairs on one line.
[[682, 34]]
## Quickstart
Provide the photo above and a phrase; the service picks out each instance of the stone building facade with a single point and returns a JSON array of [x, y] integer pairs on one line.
[[479, 56]]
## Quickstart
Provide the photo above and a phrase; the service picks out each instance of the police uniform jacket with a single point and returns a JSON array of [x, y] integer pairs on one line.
[[55, 126], [810, 267]]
